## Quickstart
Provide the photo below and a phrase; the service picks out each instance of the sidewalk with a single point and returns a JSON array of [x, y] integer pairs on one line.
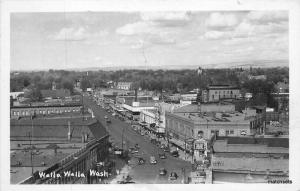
[[122, 175]]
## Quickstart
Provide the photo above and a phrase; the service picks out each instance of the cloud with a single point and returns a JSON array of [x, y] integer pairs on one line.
[[77, 34], [264, 17], [266, 24], [147, 32], [137, 28], [221, 21], [158, 16], [167, 19], [159, 28], [162, 38], [71, 33], [214, 35]]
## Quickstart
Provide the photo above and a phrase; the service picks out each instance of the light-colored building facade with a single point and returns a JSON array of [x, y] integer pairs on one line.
[[24, 111], [15, 95], [124, 85], [215, 93], [185, 125], [248, 155]]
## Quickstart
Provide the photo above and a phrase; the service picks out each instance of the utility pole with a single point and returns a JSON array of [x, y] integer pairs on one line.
[[31, 159], [122, 139], [82, 106]]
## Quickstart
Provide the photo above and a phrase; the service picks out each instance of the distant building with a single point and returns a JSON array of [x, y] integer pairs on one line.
[[248, 96], [124, 85], [53, 85], [258, 77], [174, 98], [23, 111], [188, 97], [282, 87], [77, 84], [259, 159], [215, 93], [15, 95], [188, 123]]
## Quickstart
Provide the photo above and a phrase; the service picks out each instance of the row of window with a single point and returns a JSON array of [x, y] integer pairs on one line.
[[231, 96], [31, 112], [216, 92]]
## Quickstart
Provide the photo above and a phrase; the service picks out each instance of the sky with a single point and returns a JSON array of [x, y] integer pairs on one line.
[[41, 41]]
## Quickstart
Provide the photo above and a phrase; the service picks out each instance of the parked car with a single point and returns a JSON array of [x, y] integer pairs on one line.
[[162, 156], [153, 160], [175, 154], [133, 150], [141, 161], [166, 149], [162, 172], [173, 176]]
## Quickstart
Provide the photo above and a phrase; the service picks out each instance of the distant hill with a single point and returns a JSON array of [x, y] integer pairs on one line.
[[244, 64]]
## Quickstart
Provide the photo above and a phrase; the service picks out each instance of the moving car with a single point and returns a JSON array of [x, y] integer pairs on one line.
[[153, 160], [162, 172], [162, 156], [175, 154], [173, 176]]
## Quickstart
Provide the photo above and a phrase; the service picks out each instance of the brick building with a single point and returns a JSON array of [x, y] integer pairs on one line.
[[23, 111], [60, 145], [215, 93]]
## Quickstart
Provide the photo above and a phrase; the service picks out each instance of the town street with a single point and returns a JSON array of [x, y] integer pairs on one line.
[[146, 173]]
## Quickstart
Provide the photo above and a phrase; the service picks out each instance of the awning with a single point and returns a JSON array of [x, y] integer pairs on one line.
[[181, 144]]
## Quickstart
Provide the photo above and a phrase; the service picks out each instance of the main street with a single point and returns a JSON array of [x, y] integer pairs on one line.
[[146, 173]]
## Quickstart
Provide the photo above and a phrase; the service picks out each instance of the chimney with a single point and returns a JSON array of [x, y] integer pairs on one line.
[[69, 130]]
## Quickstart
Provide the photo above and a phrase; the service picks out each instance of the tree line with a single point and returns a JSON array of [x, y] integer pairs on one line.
[[170, 81]]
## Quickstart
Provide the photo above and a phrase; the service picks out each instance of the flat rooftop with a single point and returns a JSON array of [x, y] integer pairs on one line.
[[48, 134], [54, 128], [219, 118], [206, 107]]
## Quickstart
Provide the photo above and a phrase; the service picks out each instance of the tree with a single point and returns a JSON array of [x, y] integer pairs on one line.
[[85, 83], [68, 85]]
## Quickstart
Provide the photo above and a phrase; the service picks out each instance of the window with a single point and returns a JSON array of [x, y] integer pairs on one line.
[[227, 132], [217, 132], [200, 133], [231, 132]]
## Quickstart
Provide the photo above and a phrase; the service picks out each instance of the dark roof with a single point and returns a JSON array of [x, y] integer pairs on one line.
[[217, 87], [271, 142], [55, 93], [48, 105], [97, 128], [51, 128]]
